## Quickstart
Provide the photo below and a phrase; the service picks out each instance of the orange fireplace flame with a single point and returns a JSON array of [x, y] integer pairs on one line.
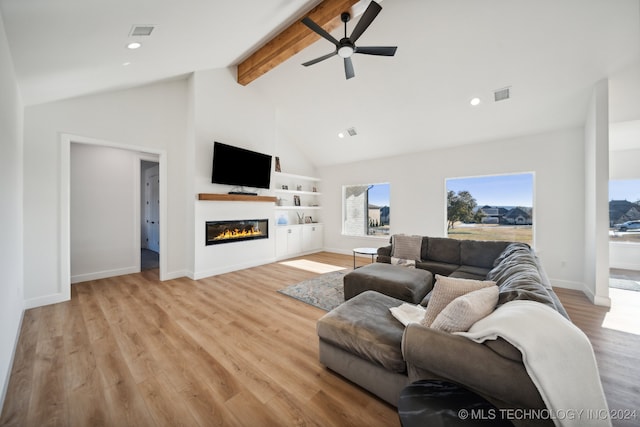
[[238, 233]]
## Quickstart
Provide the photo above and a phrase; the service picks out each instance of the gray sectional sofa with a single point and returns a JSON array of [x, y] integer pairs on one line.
[[363, 342]]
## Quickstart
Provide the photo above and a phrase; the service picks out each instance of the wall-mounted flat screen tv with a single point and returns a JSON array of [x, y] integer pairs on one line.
[[240, 167]]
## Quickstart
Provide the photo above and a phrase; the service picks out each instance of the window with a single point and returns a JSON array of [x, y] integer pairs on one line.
[[366, 210], [496, 207], [624, 210]]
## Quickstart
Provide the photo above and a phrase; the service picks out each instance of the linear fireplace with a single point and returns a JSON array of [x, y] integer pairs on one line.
[[236, 230]]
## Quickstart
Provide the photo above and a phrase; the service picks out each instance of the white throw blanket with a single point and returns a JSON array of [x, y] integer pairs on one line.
[[558, 357], [408, 313]]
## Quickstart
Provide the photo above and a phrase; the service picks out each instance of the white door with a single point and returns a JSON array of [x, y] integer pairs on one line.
[[152, 208]]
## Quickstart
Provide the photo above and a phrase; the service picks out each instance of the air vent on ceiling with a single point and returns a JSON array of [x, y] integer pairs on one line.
[[352, 131], [502, 94], [141, 30]]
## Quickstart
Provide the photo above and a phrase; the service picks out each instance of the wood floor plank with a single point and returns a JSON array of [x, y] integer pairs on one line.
[[228, 350]]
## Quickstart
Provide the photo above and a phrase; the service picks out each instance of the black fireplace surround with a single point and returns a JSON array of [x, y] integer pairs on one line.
[[218, 232]]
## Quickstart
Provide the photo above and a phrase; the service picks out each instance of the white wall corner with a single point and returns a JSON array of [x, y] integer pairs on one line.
[[596, 272]]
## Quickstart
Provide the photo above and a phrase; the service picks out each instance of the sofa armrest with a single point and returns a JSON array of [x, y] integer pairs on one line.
[[433, 354], [384, 254]]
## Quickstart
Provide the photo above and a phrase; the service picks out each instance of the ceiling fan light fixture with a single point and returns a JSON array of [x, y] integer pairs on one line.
[[345, 51]]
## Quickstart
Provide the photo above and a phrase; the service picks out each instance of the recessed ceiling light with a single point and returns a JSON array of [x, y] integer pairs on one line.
[[124, 64], [134, 45], [474, 101], [340, 135]]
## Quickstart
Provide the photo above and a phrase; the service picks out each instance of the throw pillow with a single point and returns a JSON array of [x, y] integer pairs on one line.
[[409, 263], [466, 310], [406, 247], [445, 290]]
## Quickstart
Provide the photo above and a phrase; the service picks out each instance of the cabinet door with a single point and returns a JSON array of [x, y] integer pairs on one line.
[[294, 240], [281, 241], [311, 237]]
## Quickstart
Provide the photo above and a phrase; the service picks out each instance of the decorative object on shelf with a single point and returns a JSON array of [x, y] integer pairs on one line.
[[278, 164], [300, 217], [283, 219], [296, 200], [299, 187], [308, 220], [315, 189], [285, 187]]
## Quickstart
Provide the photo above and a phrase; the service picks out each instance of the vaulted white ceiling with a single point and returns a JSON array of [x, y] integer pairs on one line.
[[549, 52]]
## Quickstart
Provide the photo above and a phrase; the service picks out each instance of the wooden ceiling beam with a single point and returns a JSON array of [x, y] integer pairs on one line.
[[292, 40]]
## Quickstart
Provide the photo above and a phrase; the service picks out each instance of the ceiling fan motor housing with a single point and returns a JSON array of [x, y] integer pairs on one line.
[[346, 48]]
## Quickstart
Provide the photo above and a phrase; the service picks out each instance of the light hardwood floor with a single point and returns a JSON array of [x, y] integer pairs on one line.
[[227, 350]]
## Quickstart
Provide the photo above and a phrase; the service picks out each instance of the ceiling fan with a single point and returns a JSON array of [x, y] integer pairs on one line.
[[346, 46]]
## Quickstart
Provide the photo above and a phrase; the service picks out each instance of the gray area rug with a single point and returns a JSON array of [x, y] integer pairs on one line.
[[324, 291], [628, 285]]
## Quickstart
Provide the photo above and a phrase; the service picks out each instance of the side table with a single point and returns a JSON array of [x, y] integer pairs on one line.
[[441, 403], [364, 251]]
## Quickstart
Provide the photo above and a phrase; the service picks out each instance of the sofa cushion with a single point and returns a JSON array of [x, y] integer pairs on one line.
[[364, 326], [441, 268], [445, 290], [406, 247], [467, 309], [470, 272], [442, 249], [480, 253]]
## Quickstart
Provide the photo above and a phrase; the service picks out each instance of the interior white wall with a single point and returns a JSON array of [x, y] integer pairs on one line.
[[418, 195], [104, 212], [596, 188], [151, 116], [227, 112], [11, 256]]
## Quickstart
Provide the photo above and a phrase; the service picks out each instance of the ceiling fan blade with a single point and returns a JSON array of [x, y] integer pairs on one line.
[[367, 18], [322, 58], [377, 50], [348, 68], [319, 30]]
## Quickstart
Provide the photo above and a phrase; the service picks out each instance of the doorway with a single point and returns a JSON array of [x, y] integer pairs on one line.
[[150, 215]]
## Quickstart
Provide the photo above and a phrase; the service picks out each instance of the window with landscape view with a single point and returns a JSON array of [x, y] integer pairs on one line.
[[366, 210], [496, 207], [624, 210]]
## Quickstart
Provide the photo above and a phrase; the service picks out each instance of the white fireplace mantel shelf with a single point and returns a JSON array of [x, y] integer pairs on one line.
[[235, 198]]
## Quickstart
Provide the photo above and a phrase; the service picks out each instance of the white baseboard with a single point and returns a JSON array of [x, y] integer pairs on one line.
[[7, 377], [176, 275], [46, 300], [104, 274]]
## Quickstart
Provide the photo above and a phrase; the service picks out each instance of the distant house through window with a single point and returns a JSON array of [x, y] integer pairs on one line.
[[624, 210], [366, 210], [495, 207]]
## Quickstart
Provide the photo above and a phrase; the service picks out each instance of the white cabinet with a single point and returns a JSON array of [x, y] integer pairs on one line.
[[298, 215], [288, 241], [294, 240], [311, 237]]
